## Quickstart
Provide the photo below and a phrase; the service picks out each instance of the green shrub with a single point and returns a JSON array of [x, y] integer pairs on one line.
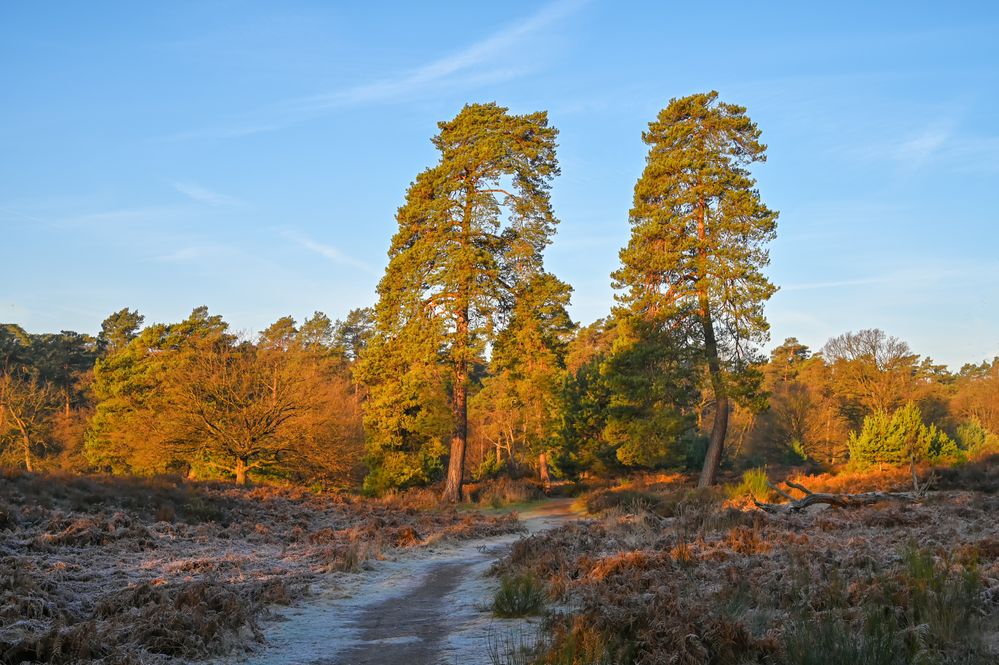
[[755, 484], [898, 438], [975, 440], [519, 596], [490, 468]]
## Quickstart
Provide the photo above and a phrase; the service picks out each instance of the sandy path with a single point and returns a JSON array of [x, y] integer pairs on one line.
[[424, 609]]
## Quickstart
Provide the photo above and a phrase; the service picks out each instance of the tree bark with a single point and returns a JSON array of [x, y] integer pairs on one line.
[[241, 470], [719, 428], [546, 480], [839, 500], [712, 458], [28, 466], [25, 441], [456, 460], [459, 442]]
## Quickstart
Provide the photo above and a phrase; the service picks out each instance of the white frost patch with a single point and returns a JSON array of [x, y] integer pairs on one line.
[[326, 625]]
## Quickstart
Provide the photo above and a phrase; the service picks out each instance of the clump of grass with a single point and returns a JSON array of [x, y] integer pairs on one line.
[[755, 484], [946, 601], [8, 517], [832, 640], [519, 596], [514, 649]]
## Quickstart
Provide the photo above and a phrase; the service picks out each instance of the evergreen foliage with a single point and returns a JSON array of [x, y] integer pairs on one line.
[[471, 234], [899, 438], [975, 440], [699, 242], [520, 404], [651, 380]]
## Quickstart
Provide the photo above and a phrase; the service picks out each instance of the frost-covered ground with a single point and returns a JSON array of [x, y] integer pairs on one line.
[[129, 571], [418, 608], [669, 574]]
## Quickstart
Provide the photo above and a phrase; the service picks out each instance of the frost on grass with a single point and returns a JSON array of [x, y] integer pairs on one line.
[[680, 576], [129, 571]]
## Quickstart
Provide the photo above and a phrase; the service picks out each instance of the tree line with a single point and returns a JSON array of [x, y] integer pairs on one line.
[[188, 397], [469, 364]]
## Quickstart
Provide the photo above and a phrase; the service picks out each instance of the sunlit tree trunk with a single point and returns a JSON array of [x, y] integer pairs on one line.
[[719, 428], [242, 467], [459, 442], [546, 480], [25, 443]]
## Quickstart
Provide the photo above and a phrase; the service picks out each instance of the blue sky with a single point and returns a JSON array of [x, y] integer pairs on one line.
[[251, 156]]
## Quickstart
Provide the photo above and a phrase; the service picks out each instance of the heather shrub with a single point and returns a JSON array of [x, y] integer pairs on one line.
[[627, 500]]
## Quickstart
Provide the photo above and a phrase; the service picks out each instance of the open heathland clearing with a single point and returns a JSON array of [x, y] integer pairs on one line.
[[665, 573], [129, 571]]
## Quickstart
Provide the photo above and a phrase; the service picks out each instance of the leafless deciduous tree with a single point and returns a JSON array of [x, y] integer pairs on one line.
[[25, 408]]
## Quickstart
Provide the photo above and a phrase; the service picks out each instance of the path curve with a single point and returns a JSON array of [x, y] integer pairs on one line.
[[424, 609]]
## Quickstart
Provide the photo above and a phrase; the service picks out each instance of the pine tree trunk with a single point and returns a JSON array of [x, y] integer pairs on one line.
[[712, 458], [719, 428], [459, 443], [241, 470], [456, 460], [546, 479]]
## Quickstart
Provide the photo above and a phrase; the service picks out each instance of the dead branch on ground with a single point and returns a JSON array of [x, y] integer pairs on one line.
[[818, 498]]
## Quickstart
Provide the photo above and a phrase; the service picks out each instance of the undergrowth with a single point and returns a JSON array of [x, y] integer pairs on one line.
[[679, 576], [519, 596], [122, 570]]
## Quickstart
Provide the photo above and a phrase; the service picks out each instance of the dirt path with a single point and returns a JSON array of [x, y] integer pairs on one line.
[[420, 610]]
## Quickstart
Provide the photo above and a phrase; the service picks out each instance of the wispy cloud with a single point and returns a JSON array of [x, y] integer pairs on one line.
[[330, 252], [123, 216], [941, 142], [193, 253], [473, 65], [917, 150], [927, 274], [845, 283], [444, 69], [200, 194]]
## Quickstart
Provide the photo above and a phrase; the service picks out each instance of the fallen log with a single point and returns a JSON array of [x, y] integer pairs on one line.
[[839, 500]]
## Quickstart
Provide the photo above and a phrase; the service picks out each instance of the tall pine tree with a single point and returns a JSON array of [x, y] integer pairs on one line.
[[473, 226], [699, 241]]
